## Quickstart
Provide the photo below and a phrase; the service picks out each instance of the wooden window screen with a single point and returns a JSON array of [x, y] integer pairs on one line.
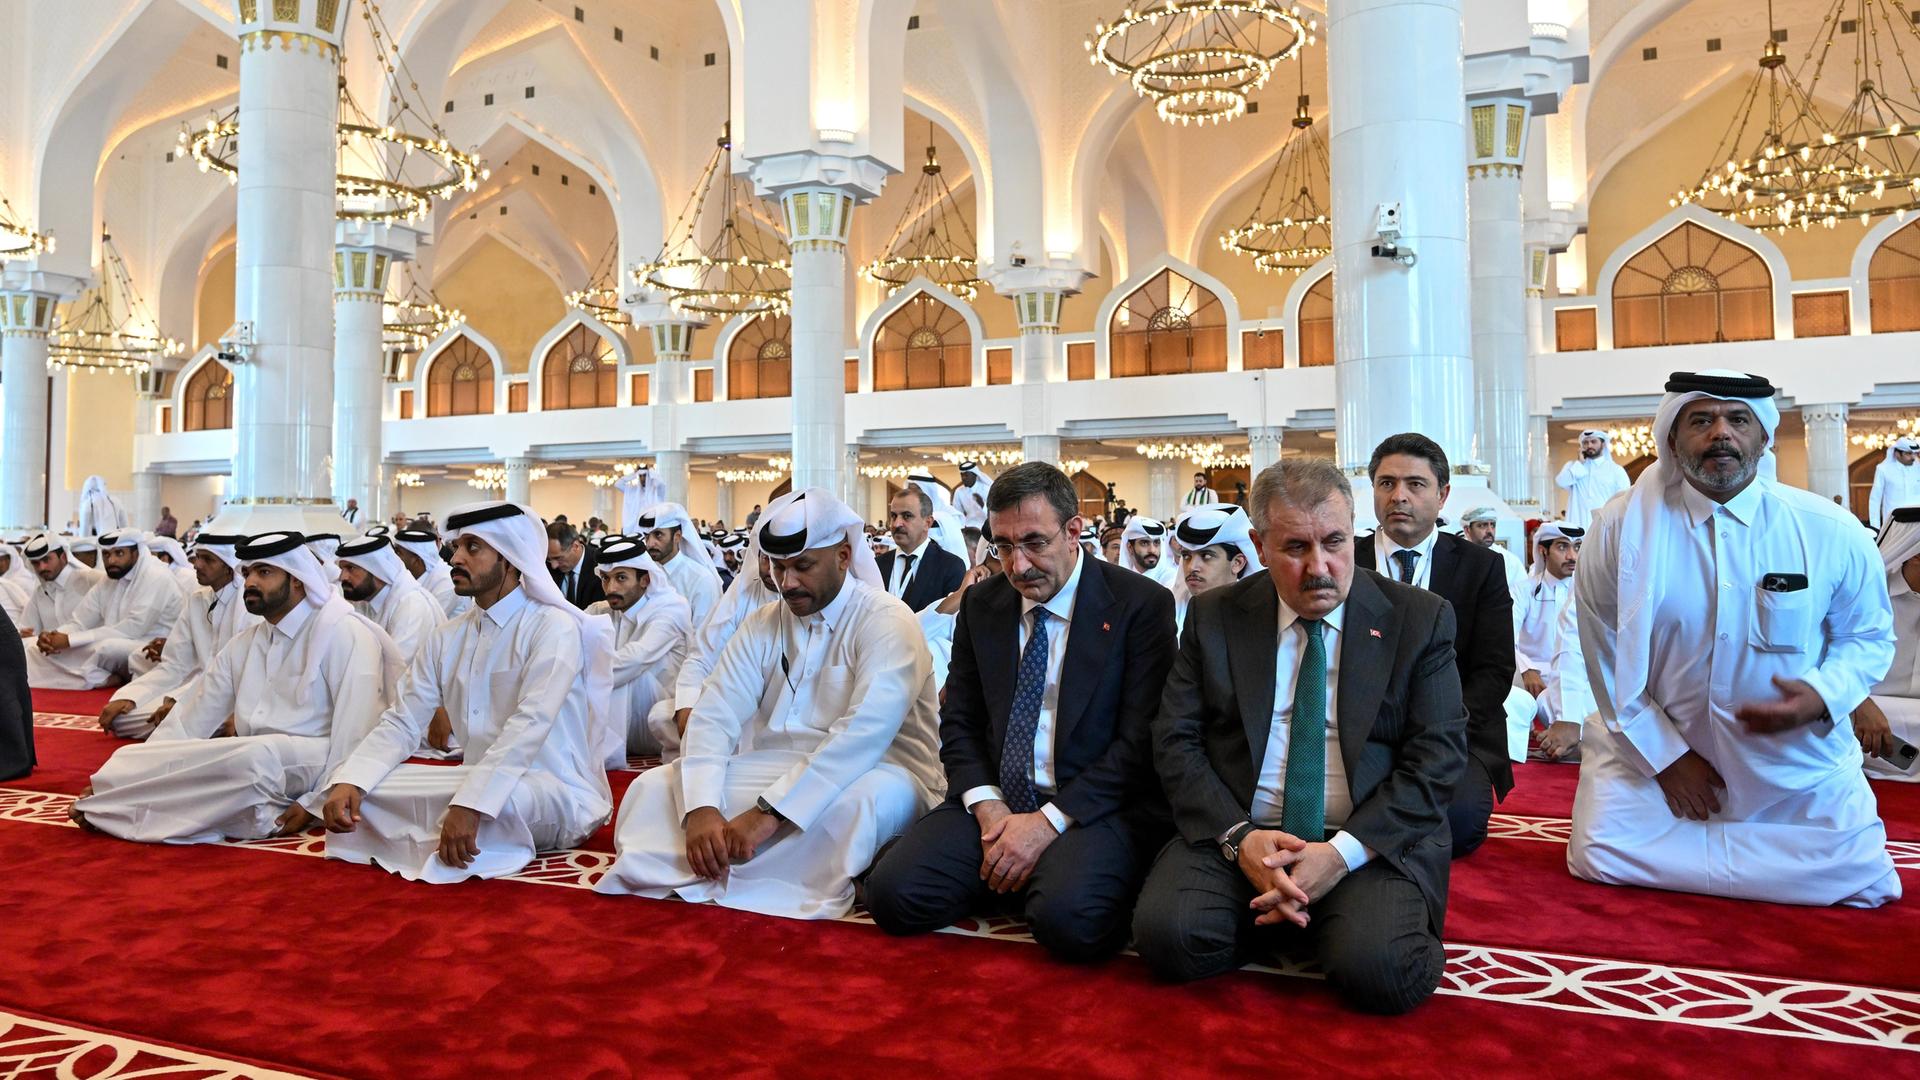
[[1821, 314], [923, 346], [209, 398], [1692, 286], [1576, 329], [460, 380], [1893, 283], [1261, 350], [1316, 324], [999, 367], [580, 372], [1168, 326], [760, 360]]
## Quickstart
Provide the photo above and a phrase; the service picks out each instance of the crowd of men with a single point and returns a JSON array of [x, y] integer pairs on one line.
[[1243, 730]]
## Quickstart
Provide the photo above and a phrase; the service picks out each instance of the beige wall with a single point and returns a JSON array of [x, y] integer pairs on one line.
[[505, 297], [215, 311], [100, 429]]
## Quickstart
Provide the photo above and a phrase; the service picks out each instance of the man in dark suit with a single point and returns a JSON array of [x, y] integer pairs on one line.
[[1052, 807], [920, 572], [572, 564], [1409, 474], [1308, 773]]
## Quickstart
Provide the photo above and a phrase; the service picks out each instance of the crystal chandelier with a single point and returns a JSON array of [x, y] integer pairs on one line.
[[1289, 230], [750, 476], [924, 244], [742, 269], [1199, 59], [16, 240], [896, 471], [409, 480], [985, 455], [601, 297], [1879, 440], [1206, 455], [494, 477], [1632, 441], [386, 173], [109, 328]]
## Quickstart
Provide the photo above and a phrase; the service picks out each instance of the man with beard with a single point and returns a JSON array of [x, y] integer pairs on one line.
[[1143, 550], [1539, 610], [1591, 479], [1110, 543], [296, 686], [380, 587], [1481, 525], [419, 552], [15, 595], [751, 591], [213, 615], [675, 545], [138, 602], [651, 625], [1728, 621], [63, 582]]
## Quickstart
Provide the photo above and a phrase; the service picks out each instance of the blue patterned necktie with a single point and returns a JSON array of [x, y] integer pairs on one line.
[[1023, 721], [1406, 559], [1303, 811]]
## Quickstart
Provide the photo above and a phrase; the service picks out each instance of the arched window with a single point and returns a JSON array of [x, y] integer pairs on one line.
[[209, 398], [1316, 324], [1893, 282], [760, 360], [580, 372], [460, 380], [924, 345], [1691, 286], [1168, 326]]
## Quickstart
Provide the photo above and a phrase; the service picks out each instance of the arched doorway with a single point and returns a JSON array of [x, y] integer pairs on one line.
[[1893, 282], [1860, 481], [1093, 494], [1170, 325], [1316, 324], [579, 372], [460, 380], [924, 345], [1692, 286], [208, 398], [760, 360]]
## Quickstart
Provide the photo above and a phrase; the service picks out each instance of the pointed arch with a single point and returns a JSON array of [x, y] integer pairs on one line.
[[1776, 303], [962, 331], [1888, 263], [1227, 323], [576, 365], [1310, 303], [203, 393], [758, 359], [460, 346]]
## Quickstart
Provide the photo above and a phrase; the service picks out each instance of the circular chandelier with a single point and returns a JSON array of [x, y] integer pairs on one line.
[[743, 270], [984, 455], [602, 480], [750, 476], [16, 240], [109, 328], [1289, 229], [896, 471], [601, 297], [1206, 455], [923, 244], [1199, 59], [494, 477], [409, 480], [1074, 466], [414, 319]]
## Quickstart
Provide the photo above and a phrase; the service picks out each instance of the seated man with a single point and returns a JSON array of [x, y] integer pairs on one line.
[[1727, 622], [1309, 779], [293, 687], [1537, 607], [651, 626], [174, 557], [419, 551], [1143, 550], [138, 602], [1894, 708], [1051, 804], [1110, 543], [674, 543], [812, 743], [380, 587], [14, 596], [918, 571], [86, 549], [936, 622], [1216, 548], [213, 615], [749, 593], [524, 677], [1480, 525], [64, 581]]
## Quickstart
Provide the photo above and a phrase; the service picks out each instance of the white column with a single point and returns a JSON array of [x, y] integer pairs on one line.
[[1499, 280], [672, 382], [1263, 447], [673, 469], [723, 504], [857, 487], [519, 487], [603, 506], [1041, 360], [283, 253], [1164, 487], [817, 221], [1539, 467], [1826, 450], [1403, 352], [26, 317], [1041, 448], [363, 257]]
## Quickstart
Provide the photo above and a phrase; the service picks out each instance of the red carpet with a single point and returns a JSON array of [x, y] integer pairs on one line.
[[323, 968]]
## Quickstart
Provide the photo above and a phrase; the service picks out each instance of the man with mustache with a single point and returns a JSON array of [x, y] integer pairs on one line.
[[651, 625], [1730, 626], [1896, 481], [380, 587], [1592, 478], [295, 687], [811, 745], [63, 583], [919, 571], [138, 601], [212, 615], [1143, 550], [1537, 620], [674, 543], [1051, 806], [1310, 733]]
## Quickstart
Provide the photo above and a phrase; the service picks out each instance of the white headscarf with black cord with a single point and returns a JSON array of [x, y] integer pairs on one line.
[[1900, 541], [668, 515], [631, 552], [376, 556], [288, 551], [1544, 536], [809, 519], [1214, 524]]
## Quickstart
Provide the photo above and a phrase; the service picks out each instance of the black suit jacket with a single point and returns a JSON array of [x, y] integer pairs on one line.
[[587, 590], [1474, 580], [937, 575], [1402, 727], [1118, 650]]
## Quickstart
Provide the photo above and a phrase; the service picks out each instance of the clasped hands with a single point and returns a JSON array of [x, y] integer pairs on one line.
[[1010, 844], [1289, 873], [715, 843]]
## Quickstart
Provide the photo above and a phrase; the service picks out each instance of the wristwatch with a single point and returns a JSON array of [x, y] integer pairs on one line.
[[1230, 846], [766, 808]]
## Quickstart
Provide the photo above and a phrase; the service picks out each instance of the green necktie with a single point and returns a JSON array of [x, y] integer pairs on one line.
[[1304, 809]]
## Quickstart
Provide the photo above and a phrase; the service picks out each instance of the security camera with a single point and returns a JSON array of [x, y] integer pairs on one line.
[[227, 357], [1018, 260], [1386, 222]]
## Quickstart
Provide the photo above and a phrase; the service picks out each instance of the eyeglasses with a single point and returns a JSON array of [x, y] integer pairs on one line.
[[1031, 548]]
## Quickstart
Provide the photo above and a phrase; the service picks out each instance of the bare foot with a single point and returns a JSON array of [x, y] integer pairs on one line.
[[78, 818]]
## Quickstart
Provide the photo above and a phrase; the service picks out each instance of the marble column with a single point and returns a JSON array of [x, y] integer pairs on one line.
[[673, 468], [1826, 450], [1165, 487], [364, 255], [1403, 350], [1041, 448], [1498, 259], [672, 389], [1539, 467], [28, 301], [1041, 359], [1264, 448], [283, 255], [817, 221], [519, 487]]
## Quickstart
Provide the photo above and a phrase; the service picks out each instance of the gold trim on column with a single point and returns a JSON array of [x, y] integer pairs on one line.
[[1483, 131], [1516, 128]]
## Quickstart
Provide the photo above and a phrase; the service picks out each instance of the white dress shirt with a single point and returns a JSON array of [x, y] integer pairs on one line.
[[208, 620], [649, 648], [902, 575], [138, 607], [1269, 790], [1536, 621], [1059, 616], [1385, 563]]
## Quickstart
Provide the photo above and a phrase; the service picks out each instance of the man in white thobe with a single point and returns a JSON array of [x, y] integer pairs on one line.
[[1727, 622], [1896, 481], [1216, 549], [213, 614], [14, 594], [293, 684], [99, 511], [1592, 478], [169, 552], [970, 501], [752, 590], [63, 582], [651, 627], [675, 545], [1481, 525], [1143, 550], [813, 743], [373, 579], [640, 492], [525, 677], [1537, 609], [138, 602], [1894, 708], [419, 551]]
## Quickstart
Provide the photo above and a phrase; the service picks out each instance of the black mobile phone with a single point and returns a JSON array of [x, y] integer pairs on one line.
[[1783, 582], [1903, 756]]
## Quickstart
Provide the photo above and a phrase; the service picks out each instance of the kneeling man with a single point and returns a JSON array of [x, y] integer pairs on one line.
[[297, 687], [1894, 708], [1309, 776], [811, 745]]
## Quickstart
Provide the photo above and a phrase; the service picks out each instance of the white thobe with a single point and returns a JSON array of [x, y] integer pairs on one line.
[[831, 719], [208, 620], [438, 581], [52, 604], [937, 630], [14, 601], [407, 615], [970, 502], [185, 786], [649, 646], [1798, 823], [1536, 622], [1894, 486], [703, 650], [639, 495], [1569, 693], [1898, 695], [512, 681], [1589, 483], [116, 619], [697, 583]]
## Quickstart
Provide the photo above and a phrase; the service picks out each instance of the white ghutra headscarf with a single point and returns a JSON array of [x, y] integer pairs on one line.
[[808, 519]]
